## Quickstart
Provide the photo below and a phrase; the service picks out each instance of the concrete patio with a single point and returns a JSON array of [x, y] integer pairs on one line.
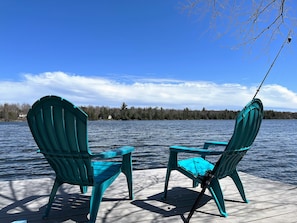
[[270, 201]]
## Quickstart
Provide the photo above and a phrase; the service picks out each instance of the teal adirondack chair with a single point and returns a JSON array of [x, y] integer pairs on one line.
[[60, 131], [201, 171]]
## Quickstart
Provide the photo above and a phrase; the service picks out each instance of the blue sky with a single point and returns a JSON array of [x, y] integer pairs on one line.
[[143, 53]]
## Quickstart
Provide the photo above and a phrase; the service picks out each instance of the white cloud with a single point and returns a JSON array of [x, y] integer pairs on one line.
[[166, 93]]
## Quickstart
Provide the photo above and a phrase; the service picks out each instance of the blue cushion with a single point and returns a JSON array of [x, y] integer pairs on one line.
[[196, 166]]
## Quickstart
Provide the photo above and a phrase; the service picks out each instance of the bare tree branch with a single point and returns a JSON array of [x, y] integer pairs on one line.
[[252, 19]]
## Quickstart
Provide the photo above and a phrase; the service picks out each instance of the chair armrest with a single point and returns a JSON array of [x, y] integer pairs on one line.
[[200, 151], [214, 143], [114, 153]]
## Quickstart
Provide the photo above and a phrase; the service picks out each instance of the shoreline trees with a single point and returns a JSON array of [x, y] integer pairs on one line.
[[14, 112]]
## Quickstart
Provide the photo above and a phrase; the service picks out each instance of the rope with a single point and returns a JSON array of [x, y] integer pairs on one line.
[[287, 40]]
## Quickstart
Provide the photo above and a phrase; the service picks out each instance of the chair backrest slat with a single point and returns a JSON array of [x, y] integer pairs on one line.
[[247, 125], [60, 130]]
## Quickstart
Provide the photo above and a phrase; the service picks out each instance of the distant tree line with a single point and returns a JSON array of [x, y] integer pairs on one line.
[[155, 113], [13, 112]]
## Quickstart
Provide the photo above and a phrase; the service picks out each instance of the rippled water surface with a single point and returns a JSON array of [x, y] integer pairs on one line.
[[273, 156]]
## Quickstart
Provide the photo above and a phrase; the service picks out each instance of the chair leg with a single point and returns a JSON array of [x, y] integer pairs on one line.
[[56, 185], [83, 189], [127, 170], [217, 194], [96, 199], [166, 182], [172, 165], [238, 183], [97, 194], [130, 185]]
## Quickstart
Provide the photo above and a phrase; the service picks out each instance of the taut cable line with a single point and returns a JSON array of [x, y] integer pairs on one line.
[[287, 40]]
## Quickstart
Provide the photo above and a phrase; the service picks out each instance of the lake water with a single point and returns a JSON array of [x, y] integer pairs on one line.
[[273, 156]]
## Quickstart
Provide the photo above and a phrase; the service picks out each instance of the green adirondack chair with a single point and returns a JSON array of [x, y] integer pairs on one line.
[[201, 171], [60, 131]]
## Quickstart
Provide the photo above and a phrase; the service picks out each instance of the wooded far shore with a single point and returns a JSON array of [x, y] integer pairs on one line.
[[14, 112]]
